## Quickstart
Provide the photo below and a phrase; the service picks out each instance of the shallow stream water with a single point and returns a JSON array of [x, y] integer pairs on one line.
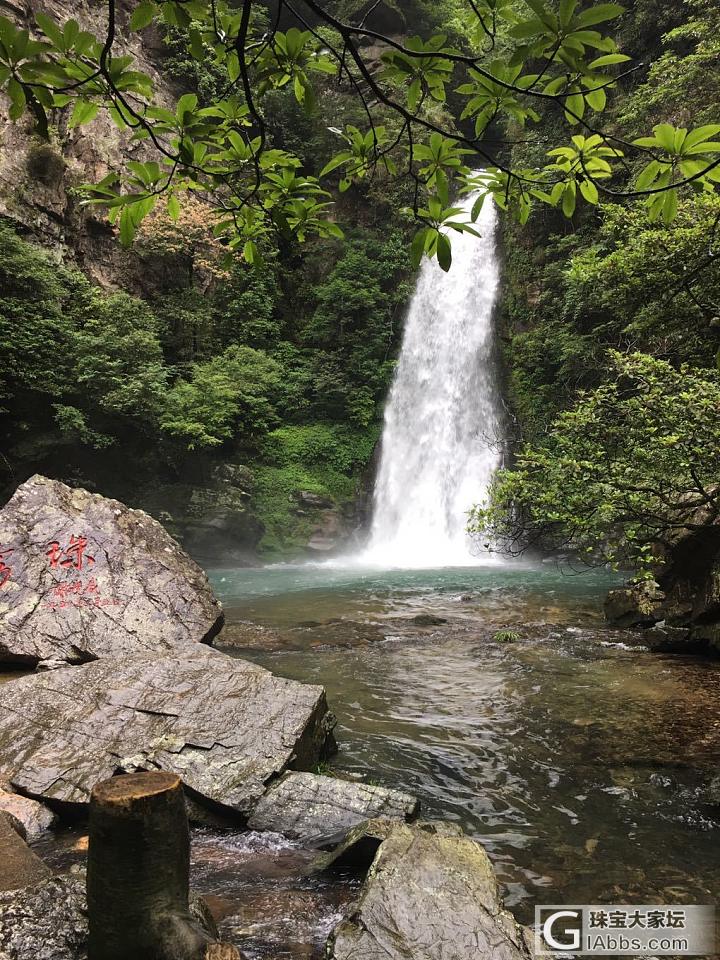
[[573, 754]]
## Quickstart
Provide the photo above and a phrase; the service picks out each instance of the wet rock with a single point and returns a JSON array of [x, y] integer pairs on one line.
[[711, 793], [89, 578], [35, 817], [225, 726], [638, 604], [358, 850], [706, 637], [20, 866], [47, 921], [50, 665], [314, 500], [428, 620], [321, 810], [431, 893], [663, 638]]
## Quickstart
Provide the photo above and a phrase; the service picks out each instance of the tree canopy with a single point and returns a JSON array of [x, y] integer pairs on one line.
[[631, 466], [439, 113]]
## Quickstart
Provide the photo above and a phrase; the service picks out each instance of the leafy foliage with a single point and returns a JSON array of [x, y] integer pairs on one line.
[[516, 58], [633, 464]]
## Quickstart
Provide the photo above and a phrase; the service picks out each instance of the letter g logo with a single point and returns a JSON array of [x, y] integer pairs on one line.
[[549, 937]]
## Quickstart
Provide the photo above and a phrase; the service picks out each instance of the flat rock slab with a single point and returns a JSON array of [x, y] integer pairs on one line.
[[317, 809], [35, 817], [224, 725], [430, 894], [19, 866], [83, 577]]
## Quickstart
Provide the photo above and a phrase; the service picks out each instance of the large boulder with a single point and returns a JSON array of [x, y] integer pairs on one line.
[[84, 577], [320, 810], [430, 894], [20, 866], [637, 604], [47, 921], [35, 817], [227, 727]]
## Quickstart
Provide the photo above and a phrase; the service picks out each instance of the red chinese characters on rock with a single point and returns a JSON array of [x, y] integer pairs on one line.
[[79, 592], [5, 568], [73, 556]]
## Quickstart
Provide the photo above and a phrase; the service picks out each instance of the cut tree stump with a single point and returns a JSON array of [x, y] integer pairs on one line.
[[139, 873]]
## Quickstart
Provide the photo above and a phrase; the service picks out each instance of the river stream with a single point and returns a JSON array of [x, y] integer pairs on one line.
[[573, 754]]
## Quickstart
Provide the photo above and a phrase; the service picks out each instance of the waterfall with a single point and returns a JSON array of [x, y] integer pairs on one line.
[[440, 442]]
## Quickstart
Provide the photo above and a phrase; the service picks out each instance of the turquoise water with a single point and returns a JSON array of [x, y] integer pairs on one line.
[[576, 756]]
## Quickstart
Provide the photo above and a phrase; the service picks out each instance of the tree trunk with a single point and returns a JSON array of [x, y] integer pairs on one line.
[[139, 871]]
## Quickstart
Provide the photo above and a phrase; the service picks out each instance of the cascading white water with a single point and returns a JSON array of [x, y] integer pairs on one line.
[[440, 443]]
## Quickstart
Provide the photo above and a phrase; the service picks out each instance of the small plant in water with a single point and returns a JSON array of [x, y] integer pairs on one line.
[[506, 636], [324, 769]]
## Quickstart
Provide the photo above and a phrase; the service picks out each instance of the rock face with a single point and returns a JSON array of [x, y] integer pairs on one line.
[[431, 894], [20, 866], [225, 726], [321, 810], [34, 817], [46, 921], [86, 577]]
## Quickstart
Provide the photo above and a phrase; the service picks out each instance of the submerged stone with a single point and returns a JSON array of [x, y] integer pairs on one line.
[[86, 577], [430, 894], [321, 810], [226, 726]]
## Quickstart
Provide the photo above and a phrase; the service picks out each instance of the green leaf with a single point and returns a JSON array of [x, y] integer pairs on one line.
[[17, 98], [173, 207], [599, 14], [575, 107], [665, 136], [589, 191], [670, 206], [648, 175], [334, 163], [477, 207], [127, 226], [608, 60], [143, 15], [444, 252], [83, 112], [567, 9], [51, 29], [417, 247], [414, 91], [187, 104], [569, 200]]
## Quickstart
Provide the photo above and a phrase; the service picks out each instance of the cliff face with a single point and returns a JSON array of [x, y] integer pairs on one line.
[[227, 500], [38, 179]]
